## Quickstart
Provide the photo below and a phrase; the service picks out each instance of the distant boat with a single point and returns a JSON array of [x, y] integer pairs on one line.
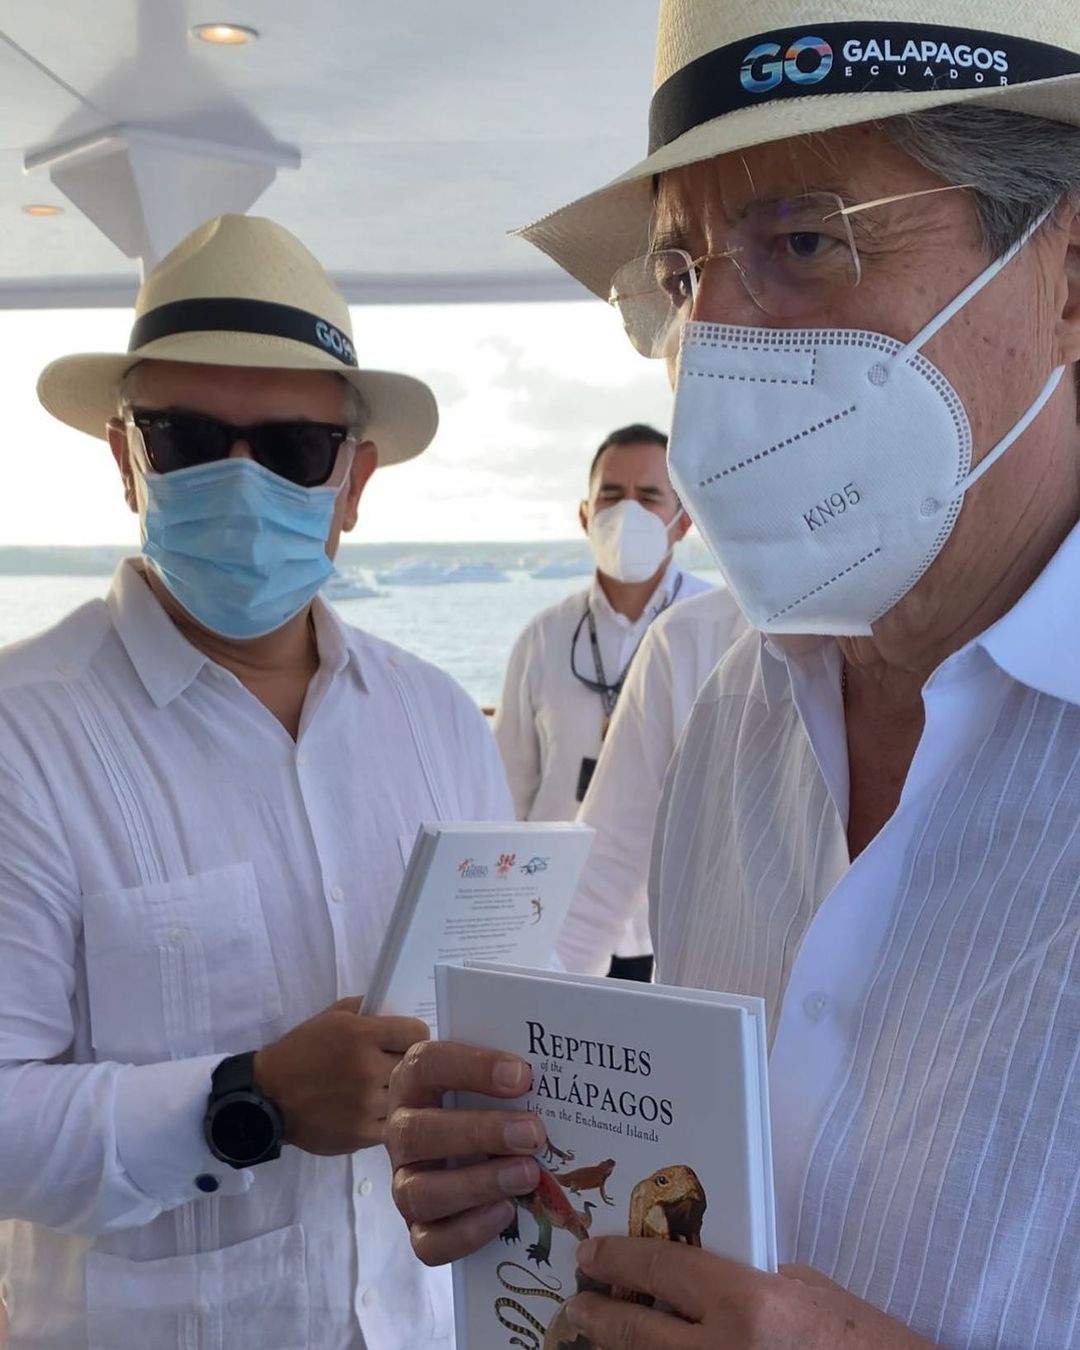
[[348, 586], [564, 567], [481, 571], [425, 572], [413, 572]]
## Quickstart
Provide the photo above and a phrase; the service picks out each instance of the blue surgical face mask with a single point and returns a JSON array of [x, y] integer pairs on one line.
[[240, 548]]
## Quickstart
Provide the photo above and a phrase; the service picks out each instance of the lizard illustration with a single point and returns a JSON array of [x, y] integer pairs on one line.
[[551, 1209], [538, 910], [551, 1153], [588, 1179], [670, 1205]]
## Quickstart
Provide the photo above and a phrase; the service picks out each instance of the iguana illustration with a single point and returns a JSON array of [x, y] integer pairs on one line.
[[670, 1205], [551, 1209], [588, 1179], [551, 1153]]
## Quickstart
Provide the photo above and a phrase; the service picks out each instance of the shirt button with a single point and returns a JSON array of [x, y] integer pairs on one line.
[[336, 893], [202, 1307], [815, 1006], [300, 761], [207, 1183], [368, 1297], [178, 937], [365, 1187]]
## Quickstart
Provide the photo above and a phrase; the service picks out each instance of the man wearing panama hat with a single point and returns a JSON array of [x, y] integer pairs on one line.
[[206, 783], [855, 238]]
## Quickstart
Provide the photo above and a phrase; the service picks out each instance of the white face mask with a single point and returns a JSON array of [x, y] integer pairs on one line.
[[628, 542], [826, 467]]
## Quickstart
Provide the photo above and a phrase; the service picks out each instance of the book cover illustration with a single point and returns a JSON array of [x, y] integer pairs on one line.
[[654, 1130]]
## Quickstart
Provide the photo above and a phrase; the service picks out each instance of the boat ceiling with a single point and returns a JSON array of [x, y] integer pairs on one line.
[[424, 130]]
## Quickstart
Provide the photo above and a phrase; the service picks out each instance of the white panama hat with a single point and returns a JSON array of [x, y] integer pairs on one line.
[[242, 291], [731, 74]]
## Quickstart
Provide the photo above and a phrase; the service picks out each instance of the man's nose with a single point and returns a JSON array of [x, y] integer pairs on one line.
[[240, 450]]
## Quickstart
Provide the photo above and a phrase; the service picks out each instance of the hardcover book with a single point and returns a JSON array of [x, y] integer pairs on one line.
[[657, 1112], [483, 892]]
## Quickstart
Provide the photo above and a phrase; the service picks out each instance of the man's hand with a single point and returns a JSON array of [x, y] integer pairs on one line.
[[330, 1076], [719, 1303], [453, 1212]]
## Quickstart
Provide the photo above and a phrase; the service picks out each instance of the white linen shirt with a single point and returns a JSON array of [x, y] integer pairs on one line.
[[610, 911], [548, 721], [924, 1000], [179, 881]]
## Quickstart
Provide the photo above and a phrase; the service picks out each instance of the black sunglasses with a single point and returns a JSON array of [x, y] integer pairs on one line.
[[303, 452]]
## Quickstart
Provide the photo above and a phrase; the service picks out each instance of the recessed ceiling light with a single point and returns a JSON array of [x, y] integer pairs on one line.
[[43, 209], [225, 34]]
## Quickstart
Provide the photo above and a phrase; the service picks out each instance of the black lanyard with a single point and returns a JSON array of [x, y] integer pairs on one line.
[[609, 693]]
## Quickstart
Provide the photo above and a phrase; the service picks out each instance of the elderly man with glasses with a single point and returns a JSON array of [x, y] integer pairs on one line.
[[206, 781], [856, 240]]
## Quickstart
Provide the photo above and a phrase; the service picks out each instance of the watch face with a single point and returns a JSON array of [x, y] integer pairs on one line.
[[242, 1130]]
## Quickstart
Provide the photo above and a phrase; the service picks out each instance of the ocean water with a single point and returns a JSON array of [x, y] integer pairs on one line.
[[467, 628]]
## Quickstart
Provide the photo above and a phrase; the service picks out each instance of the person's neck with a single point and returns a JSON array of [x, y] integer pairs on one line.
[[629, 598], [277, 667], [936, 620]]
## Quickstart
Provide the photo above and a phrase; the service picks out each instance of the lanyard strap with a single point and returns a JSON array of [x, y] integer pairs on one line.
[[609, 693]]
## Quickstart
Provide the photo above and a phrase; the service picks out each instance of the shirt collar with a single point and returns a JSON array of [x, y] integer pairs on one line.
[[163, 658], [167, 663], [1038, 641], [660, 598]]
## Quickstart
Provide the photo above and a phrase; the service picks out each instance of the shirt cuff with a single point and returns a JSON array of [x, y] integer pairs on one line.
[[159, 1133]]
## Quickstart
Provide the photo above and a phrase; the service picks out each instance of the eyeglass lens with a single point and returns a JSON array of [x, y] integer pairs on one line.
[[791, 257]]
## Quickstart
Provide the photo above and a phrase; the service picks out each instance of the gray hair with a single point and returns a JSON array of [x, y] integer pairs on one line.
[[1019, 166], [355, 409]]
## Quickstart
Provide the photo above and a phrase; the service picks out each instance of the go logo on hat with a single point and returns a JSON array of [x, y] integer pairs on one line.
[[768, 65]]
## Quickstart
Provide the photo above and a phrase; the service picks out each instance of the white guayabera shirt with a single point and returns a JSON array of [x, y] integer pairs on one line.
[[924, 1000], [610, 911], [179, 881]]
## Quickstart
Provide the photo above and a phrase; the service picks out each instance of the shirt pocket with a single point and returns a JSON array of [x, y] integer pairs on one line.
[[180, 968], [252, 1296]]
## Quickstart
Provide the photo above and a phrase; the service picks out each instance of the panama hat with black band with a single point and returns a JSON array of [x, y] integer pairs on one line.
[[243, 291], [731, 74]]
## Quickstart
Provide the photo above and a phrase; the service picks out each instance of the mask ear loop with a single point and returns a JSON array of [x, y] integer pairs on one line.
[[950, 311]]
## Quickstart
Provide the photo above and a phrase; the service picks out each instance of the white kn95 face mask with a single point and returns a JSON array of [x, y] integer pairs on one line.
[[628, 542], [825, 468]]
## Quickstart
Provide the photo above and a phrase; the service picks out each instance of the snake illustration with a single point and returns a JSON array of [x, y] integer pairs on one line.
[[543, 1290]]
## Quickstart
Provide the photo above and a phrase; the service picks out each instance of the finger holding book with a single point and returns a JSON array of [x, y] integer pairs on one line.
[[330, 1076], [711, 1301], [453, 1212]]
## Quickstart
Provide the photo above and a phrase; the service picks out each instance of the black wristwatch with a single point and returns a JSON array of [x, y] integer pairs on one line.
[[242, 1126]]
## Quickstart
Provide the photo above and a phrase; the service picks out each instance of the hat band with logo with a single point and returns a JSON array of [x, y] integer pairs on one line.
[[235, 315], [846, 58]]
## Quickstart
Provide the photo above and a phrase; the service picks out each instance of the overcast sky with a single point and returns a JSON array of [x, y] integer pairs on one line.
[[526, 392]]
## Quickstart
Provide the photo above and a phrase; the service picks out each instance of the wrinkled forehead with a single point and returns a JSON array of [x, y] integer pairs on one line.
[[856, 164]]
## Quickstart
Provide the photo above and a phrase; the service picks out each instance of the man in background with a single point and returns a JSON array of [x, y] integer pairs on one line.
[[567, 668], [611, 908]]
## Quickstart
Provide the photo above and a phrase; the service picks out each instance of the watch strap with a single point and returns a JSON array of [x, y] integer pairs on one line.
[[235, 1074]]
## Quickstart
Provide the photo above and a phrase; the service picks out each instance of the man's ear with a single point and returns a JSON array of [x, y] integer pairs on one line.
[[682, 526], [583, 516], [365, 462], [1068, 324], [121, 453]]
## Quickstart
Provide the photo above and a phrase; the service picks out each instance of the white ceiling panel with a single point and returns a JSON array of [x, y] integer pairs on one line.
[[426, 129]]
